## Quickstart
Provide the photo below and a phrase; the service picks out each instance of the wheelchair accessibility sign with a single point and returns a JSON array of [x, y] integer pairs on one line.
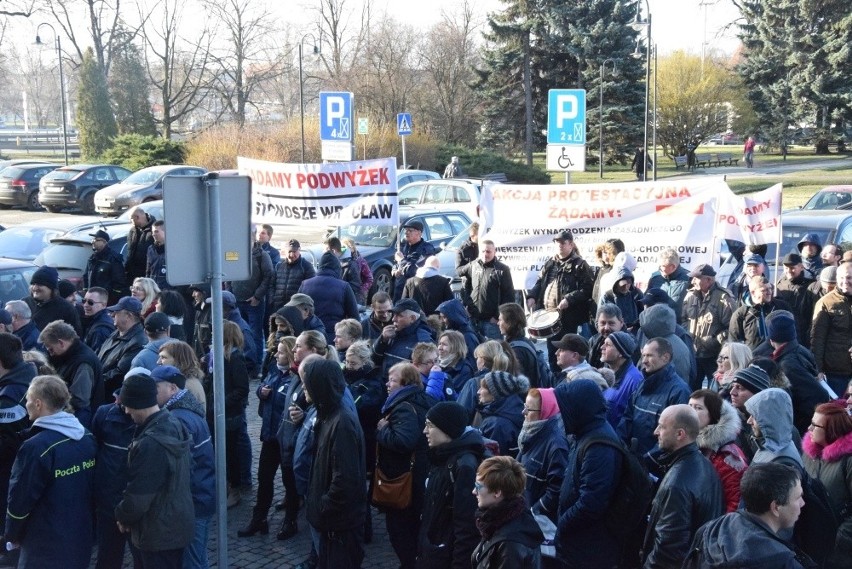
[[566, 157]]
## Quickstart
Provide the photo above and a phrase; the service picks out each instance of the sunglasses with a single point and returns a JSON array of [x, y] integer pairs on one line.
[[91, 302]]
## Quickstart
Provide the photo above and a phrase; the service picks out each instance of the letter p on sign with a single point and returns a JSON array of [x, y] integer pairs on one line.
[[566, 109], [334, 110]]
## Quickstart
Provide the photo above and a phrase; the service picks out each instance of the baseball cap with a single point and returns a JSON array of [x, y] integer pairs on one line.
[[100, 234], [564, 235], [573, 343], [157, 322], [754, 259], [127, 303], [405, 304], [170, 374], [293, 245]]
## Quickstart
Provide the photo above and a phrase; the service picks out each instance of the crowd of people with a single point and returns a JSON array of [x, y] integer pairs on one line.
[[692, 423]]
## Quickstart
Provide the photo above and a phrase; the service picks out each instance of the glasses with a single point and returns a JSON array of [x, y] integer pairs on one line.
[[721, 359], [137, 288], [478, 486], [528, 410], [91, 302], [815, 426]]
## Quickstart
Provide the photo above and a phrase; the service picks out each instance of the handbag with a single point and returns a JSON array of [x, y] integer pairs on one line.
[[392, 493]]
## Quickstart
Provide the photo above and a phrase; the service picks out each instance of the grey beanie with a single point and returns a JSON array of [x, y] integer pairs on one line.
[[502, 384], [624, 343]]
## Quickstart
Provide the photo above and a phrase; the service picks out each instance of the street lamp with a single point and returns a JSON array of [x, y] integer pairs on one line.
[[61, 85], [302, 86], [600, 123], [638, 24]]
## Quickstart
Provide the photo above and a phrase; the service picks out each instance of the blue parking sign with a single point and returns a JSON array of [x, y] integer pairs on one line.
[[336, 116], [403, 124], [566, 116]]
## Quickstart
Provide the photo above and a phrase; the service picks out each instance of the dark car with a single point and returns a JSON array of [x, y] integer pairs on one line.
[[142, 186], [19, 162], [378, 243], [15, 279], [19, 185], [75, 186], [69, 253]]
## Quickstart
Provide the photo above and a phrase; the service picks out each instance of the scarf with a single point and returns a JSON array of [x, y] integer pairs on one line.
[[396, 395], [174, 398], [488, 521], [528, 430]]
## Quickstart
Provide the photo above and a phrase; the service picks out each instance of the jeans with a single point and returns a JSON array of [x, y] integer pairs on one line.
[[195, 554], [488, 329], [244, 454], [254, 316], [267, 466], [111, 543]]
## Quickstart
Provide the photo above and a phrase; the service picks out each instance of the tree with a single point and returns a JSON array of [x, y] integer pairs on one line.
[[103, 21], [129, 90], [17, 8], [343, 40], [95, 121]]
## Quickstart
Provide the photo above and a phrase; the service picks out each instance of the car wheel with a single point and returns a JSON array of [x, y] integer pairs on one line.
[[88, 204], [32, 201], [53, 208], [381, 282]]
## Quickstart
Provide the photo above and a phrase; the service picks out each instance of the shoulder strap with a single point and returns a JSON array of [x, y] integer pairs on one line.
[[522, 343], [584, 446]]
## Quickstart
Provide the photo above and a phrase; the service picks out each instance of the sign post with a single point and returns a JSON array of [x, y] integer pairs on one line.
[[566, 131], [336, 125], [363, 129], [403, 128]]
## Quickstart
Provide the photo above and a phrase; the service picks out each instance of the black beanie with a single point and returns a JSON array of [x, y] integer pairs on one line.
[[781, 326], [46, 276], [752, 378], [450, 417], [138, 392]]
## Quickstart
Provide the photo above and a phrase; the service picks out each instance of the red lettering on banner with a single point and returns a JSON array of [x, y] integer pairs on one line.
[[679, 209]]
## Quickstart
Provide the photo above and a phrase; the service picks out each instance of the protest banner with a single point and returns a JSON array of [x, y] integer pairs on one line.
[[340, 193], [648, 216], [754, 219]]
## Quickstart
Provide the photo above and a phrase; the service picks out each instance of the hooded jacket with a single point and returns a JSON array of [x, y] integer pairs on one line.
[[487, 286], [627, 380], [138, 241], [337, 498], [675, 285], [707, 316], [830, 332], [459, 320], [772, 409], [288, 278], [55, 462], [448, 533], [630, 302], [659, 321], [748, 323], [582, 539], [502, 420], [544, 456], [333, 297], [157, 502], [813, 265], [429, 288], [718, 443]]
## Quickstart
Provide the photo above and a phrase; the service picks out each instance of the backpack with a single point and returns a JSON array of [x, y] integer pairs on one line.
[[632, 496], [541, 364]]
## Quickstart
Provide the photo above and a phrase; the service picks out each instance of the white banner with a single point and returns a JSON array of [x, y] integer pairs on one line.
[[754, 219], [647, 216], [343, 193]]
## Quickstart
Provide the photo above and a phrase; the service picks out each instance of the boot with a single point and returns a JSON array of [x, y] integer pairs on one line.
[[255, 526], [234, 497], [288, 530]]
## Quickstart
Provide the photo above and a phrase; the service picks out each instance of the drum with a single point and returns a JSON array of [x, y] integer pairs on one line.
[[543, 324]]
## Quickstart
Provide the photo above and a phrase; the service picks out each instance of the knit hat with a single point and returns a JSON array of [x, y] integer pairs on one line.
[[781, 326], [828, 275], [170, 374], [138, 392], [46, 276], [66, 288], [624, 343], [752, 378], [549, 407], [450, 417], [502, 384]]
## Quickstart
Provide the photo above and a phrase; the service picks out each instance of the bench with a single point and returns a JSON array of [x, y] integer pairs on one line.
[[727, 159], [681, 161], [703, 160]]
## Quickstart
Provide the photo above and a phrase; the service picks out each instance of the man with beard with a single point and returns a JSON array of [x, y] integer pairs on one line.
[[379, 317], [607, 321], [45, 302]]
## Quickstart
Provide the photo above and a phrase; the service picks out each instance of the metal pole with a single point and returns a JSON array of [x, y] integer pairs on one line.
[[654, 143], [62, 95], [212, 182], [302, 100], [404, 160], [647, 92]]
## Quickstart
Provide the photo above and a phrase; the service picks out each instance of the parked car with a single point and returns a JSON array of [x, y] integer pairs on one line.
[[26, 240], [69, 253], [142, 186], [378, 243], [154, 208], [15, 279], [830, 197], [460, 194], [406, 176], [75, 185], [20, 162], [19, 185]]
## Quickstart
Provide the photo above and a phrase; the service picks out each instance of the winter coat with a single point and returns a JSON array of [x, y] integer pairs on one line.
[[117, 355], [274, 254], [741, 540], [772, 409], [832, 465], [273, 408], [830, 333], [105, 269], [113, 430], [545, 458], [458, 375], [157, 502], [675, 285], [501, 422], [13, 415], [366, 388], [659, 321], [487, 286], [402, 437], [399, 348], [149, 354], [582, 539], [288, 278], [253, 359], [80, 368], [333, 297], [448, 532], [429, 288], [459, 320], [371, 329], [156, 268], [467, 253], [28, 335], [202, 480], [97, 329], [515, 545], [337, 495], [350, 272], [236, 385], [413, 256], [573, 280], [138, 241], [718, 443], [55, 308], [630, 302], [627, 380], [528, 362], [659, 390], [262, 273], [287, 429], [796, 292], [689, 496], [708, 317], [748, 323], [55, 463], [797, 363]]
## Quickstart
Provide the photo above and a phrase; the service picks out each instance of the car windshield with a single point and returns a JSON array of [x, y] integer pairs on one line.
[[370, 235], [790, 237], [62, 174], [14, 284], [829, 200], [13, 172], [144, 177], [25, 243], [66, 255]]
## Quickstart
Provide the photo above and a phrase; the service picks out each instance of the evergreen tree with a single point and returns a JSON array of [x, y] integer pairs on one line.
[[129, 89], [95, 121]]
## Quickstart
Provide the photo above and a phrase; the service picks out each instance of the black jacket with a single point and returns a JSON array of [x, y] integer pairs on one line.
[[138, 241], [262, 273], [467, 253], [413, 257], [487, 286], [748, 323], [369, 394], [117, 353], [429, 291], [516, 545], [689, 496], [57, 308], [157, 502], [797, 293], [288, 279], [96, 329], [105, 269], [28, 335], [113, 430], [85, 397], [337, 494], [574, 281], [156, 268]]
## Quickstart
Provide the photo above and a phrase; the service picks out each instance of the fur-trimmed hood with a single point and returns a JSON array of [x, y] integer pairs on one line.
[[838, 450], [715, 436]]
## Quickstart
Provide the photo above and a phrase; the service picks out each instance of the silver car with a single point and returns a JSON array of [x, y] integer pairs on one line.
[[142, 186]]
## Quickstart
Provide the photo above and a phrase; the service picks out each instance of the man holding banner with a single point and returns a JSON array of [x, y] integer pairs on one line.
[[413, 254]]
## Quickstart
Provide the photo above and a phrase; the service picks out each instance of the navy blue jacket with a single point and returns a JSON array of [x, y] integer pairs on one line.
[[501, 421], [333, 297], [202, 477], [253, 359], [400, 347], [273, 407], [413, 257], [582, 539], [28, 334], [630, 302], [156, 268], [675, 285], [13, 418], [459, 321], [113, 430], [52, 468], [97, 329], [545, 457]]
